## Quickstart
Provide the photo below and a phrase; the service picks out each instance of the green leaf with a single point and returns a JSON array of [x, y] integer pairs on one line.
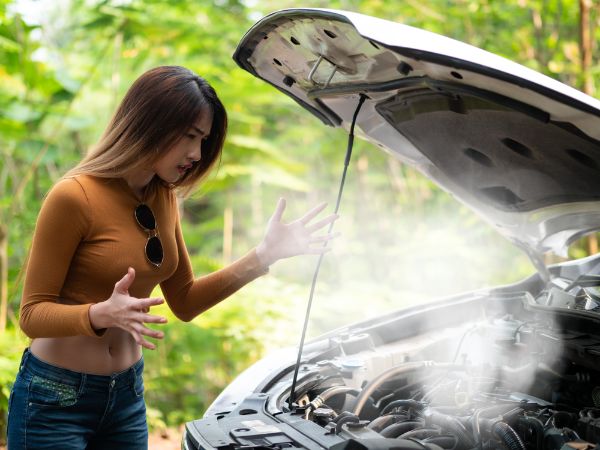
[[21, 112], [9, 45]]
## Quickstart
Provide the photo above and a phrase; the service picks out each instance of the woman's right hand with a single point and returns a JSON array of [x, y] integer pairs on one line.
[[128, 313]]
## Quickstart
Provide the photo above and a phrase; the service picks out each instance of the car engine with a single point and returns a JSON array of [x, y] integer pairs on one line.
[[513, 368], [504, 387]]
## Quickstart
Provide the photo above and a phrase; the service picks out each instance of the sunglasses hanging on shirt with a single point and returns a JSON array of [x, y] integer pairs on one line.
[[145, 219]]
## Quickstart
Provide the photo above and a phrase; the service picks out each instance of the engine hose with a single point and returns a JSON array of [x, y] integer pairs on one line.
[[316, 403], [418, 433], [451, 424], [448, 442], [347, 419], [396, 429], [395, 371], [399, 403], [320, 399], [475, 426], [407, 388], [538, 428], [494, 411], [508, 436], [335, 390], [343, 414], [381, 422]]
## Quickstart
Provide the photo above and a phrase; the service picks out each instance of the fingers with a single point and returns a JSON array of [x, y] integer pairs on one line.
[[276, 217], [142, 330], [321, 223], [150, 333], [312, 213], [145, 303], [122, 286], [139, 339], [139, 331], [143, 342], [147, 318]]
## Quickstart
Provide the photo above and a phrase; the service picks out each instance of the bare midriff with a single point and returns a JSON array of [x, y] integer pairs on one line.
[[114, 352]]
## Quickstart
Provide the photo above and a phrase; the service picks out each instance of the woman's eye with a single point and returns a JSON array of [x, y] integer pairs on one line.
[[191, 136]]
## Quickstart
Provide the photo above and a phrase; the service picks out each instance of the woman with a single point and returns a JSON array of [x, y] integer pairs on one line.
[[106, 235]]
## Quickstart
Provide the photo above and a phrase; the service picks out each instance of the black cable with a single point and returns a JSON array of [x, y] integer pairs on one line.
[[460, 343], [316, 274]]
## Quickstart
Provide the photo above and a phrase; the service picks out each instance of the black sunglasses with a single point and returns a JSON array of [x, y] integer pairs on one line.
[[145, 218]]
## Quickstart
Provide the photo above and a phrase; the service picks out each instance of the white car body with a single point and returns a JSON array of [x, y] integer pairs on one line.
[[511, 367]]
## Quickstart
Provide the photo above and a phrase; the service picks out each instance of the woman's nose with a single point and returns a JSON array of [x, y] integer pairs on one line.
[[195, 152]]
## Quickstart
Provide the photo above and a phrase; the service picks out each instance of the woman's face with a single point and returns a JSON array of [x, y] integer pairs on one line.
[[179, 159]]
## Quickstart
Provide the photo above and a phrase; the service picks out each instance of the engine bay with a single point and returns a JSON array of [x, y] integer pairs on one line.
[[514, 368], [512, 394]]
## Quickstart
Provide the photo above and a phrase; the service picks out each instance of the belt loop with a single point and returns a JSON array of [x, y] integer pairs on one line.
[[133, 375], [82, 382], [24, 358]]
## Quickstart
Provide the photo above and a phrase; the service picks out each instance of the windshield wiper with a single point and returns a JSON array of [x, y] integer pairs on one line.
[[584, 280], [580, 294]]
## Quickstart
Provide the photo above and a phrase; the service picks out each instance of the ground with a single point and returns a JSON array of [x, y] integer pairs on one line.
[[168, 440]]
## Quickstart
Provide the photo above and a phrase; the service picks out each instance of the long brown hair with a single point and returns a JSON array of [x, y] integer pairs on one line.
[[159, 109]]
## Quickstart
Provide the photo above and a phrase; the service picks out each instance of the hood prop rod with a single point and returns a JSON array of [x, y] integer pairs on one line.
[[538, 262], [362, 99], [311, 74]]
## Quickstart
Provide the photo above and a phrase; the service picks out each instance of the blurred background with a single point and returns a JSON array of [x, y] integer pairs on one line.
[[64, 66]]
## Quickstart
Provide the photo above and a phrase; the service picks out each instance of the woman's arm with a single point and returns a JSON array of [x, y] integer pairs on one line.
[[63, 222], [188, 297]]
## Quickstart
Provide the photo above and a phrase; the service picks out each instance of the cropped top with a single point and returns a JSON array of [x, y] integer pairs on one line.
[[86, 237]]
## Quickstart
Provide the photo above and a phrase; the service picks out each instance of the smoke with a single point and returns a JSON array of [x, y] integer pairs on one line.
[[384, 263]]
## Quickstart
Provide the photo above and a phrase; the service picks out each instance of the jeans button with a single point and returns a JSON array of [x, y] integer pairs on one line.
[[112, 384]]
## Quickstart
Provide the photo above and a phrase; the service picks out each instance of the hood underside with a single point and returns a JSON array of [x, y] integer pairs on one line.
[[519, 148]]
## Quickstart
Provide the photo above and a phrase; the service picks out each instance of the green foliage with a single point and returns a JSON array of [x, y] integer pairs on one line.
[[63, 72], [12, 344]]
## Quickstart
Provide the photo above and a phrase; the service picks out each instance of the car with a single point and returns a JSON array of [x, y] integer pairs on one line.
[[515, 366]]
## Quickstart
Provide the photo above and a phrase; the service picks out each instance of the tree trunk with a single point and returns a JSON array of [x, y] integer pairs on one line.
[[538, 30]]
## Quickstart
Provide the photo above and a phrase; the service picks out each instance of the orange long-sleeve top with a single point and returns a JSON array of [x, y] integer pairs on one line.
[[85, 239]]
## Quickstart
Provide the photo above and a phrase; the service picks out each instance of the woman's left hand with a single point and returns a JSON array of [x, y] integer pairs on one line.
[[283, 240]]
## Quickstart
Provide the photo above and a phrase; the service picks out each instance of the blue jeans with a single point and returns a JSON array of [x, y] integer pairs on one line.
[[55, 408]]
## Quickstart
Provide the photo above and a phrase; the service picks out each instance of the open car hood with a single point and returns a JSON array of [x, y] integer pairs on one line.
[[519, 148]]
